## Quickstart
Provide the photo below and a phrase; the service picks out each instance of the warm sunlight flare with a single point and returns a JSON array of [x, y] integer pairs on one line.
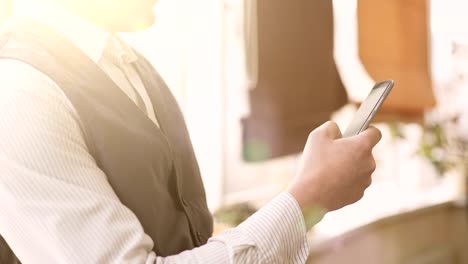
[[112, 15]]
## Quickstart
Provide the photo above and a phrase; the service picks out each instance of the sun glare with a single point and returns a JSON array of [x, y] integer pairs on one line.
[[26, 7]]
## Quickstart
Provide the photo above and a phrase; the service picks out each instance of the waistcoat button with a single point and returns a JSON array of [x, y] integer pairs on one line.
[[184, 202], [199, 237]]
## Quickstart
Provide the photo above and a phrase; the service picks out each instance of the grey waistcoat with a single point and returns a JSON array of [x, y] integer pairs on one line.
[[153, 170]]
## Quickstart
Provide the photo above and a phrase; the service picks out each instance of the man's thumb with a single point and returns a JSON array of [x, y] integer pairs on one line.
[[331, 130]]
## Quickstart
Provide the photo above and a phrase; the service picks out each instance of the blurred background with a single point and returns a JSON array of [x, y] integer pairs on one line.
[[255, 77]]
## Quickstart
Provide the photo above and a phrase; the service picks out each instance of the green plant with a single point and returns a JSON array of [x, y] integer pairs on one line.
[[442, 147], [233, 215]]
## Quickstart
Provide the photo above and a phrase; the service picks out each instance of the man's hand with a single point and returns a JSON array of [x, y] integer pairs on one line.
[[334, 171]]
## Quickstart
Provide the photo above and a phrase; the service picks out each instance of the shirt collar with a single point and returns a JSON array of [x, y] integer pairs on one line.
[[87, 37], [118, 51]]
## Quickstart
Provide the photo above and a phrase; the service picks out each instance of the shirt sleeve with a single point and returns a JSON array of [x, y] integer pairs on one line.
[[58, 207]]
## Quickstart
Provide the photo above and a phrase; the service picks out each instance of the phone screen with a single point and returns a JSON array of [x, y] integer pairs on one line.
[[368, 108]]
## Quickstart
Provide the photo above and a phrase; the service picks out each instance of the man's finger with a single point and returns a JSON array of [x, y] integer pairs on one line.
[[371, 135]]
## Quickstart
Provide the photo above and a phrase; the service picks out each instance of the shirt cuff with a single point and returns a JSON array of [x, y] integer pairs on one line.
[[279, 231]]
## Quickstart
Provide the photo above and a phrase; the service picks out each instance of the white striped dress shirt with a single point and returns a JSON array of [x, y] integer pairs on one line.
[[56, 205]]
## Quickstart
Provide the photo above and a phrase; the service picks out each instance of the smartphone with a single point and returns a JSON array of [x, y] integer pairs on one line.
[[369, 108]]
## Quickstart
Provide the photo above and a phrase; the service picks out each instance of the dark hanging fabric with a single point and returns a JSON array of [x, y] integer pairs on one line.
[[394, 44], [298, 84]]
